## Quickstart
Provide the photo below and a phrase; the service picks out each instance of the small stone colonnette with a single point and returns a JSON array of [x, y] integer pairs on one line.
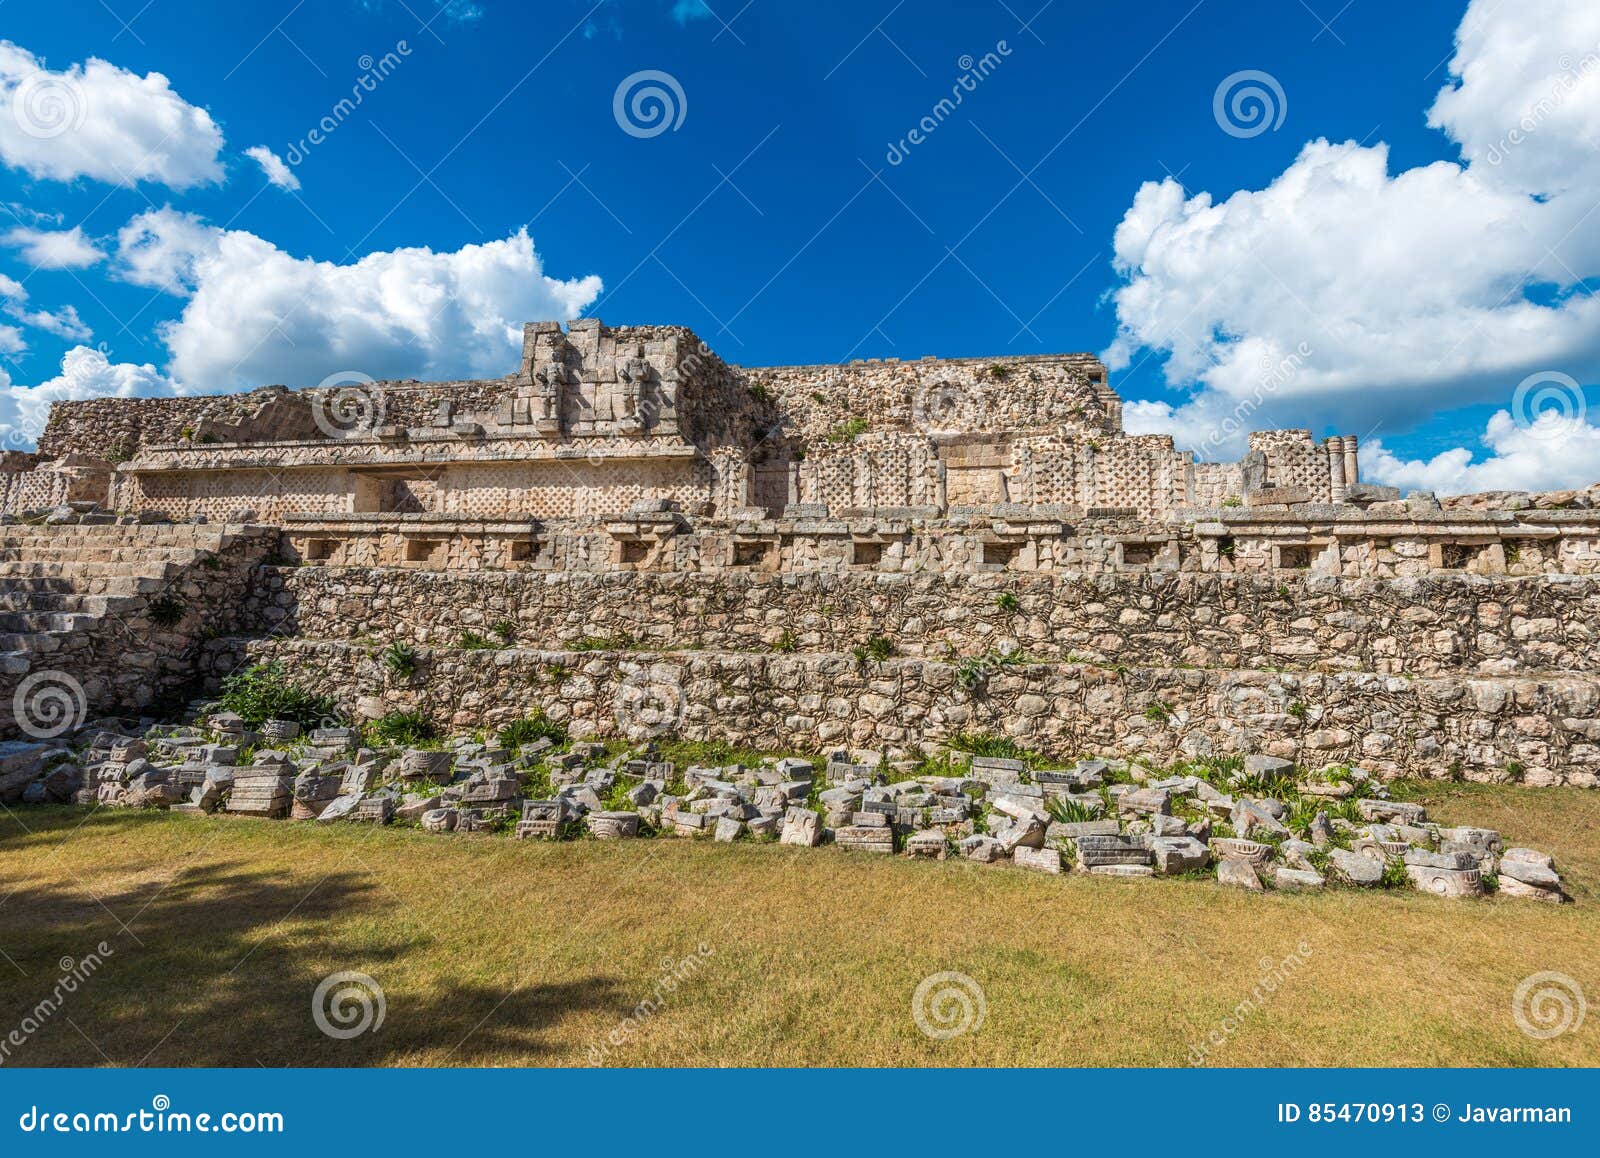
[[1256, 823]]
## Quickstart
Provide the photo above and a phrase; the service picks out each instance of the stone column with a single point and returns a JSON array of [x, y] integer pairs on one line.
[[1352, 467], [1334, 448]]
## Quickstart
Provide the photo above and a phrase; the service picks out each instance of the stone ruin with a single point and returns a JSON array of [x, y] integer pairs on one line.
[[1254, 823], [629, 532]]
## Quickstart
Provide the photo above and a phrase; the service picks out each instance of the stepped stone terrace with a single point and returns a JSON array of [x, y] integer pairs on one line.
[[879, 554]]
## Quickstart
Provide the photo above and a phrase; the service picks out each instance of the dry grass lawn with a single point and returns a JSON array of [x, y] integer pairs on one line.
[[497, 952]]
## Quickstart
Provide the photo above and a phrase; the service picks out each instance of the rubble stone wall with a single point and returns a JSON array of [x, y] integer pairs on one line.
[[1540, 730], [1444, 625], [132, 604], [942, 394]]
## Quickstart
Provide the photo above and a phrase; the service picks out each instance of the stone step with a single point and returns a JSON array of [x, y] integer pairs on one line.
[[30, 622], [33, 643], [57, 554], [124, 587], [66, 601], [79, 571], [200, 538]]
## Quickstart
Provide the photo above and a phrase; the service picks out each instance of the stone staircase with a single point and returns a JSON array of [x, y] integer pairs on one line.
[[77, 599]]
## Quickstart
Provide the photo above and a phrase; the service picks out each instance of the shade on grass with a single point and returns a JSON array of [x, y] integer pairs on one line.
[[493, 951]]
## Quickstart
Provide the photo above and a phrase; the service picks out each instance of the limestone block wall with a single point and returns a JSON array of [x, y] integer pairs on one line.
[[1461, 624], [85, 602], [1543, 728], [1211, 484], [942, 395], [1022, 539]]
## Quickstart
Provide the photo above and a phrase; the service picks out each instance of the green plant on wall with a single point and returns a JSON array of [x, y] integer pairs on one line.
[[166, 611], [401, 659], [264, 691]]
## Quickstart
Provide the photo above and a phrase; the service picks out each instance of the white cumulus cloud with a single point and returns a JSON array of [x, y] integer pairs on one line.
[[257, 315], [1434, 287], [278, 173], [64, 323], [85, 373], [103, 122], [54, 248], [159, 249], [1553, 453]]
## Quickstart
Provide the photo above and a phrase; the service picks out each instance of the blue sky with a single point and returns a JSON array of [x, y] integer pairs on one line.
[[772, 220]]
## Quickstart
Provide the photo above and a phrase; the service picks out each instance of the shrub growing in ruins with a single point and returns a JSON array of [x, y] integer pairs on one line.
[[1007, 602], [618, 641], [1159, 711], [505, 630], [166, 611], [1395, 875], [1003, 747], [974, 672], [529, 729], [407, 729], [787, 642], [472, 641], [848, 431], [264, 692], [401, 659], [1068, 811], [877, 648]]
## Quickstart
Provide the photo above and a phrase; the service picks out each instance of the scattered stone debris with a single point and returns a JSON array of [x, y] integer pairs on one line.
[[1254, 823]]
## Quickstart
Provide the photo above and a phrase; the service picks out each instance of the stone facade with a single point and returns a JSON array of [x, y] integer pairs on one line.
[[1546, 728], [881, 553], [1463, 625]]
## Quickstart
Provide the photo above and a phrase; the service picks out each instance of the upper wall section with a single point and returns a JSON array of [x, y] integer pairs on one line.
[[596, 419], [591, 380], [589, 383], [1051, 393]]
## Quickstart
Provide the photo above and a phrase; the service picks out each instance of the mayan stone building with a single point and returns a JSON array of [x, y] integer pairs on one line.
[[880, 553]]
